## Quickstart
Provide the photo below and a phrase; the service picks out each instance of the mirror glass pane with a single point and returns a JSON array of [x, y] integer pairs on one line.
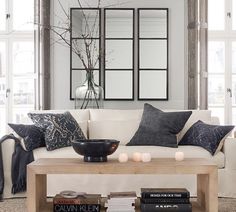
[[85, 23], [153, 23], [152, 84], [119, 54], [79, 77], [114, 80], [153, 54], [79, 48], [119, 23]]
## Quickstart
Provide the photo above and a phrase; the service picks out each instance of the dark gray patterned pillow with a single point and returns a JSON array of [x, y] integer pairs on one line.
[[210, 137], [158, 128], [59, 129], [33, 136]]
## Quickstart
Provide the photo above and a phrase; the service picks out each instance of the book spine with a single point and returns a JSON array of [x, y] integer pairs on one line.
[[164, 195], [76, 207], [75, 201], [166, 207], [166, 200]]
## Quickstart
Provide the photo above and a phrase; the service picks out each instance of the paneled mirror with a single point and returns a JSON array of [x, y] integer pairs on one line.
[[152, 54], [85, 34], [119, 54]]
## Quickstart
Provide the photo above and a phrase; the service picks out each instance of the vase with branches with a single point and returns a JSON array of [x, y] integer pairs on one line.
[[84, 48], [89, 94]]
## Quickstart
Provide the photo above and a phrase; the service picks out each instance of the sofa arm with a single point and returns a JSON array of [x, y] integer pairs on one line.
[[7, 149], [229, 150]]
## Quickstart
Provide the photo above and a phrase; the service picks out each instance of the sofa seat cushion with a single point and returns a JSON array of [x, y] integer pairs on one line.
[[156, 152]]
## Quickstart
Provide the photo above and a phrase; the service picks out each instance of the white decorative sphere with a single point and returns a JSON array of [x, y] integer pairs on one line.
[[179, 156], [137, 156], [123, 157], [146, 157]]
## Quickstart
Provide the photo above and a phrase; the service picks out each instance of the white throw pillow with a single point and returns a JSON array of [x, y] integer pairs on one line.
[[122, 130]]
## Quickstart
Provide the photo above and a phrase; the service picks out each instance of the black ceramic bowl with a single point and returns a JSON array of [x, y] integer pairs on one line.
[[95, 150]]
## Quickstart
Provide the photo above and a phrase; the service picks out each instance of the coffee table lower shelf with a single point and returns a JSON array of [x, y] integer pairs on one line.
[[48, 207], [205, 171]]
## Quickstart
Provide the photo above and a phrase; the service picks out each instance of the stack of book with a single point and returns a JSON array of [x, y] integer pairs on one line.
[[121, 201], [76, 202], [165, 200]]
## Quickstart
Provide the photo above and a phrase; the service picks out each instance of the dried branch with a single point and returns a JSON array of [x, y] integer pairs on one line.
[[87, 51]]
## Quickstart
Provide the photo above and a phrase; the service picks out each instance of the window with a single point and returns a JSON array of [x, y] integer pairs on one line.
[[234, 15], [222, 60], [17, 72], [216, 18]]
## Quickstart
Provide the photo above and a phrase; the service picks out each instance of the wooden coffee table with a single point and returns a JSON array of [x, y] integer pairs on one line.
[[206, 171]]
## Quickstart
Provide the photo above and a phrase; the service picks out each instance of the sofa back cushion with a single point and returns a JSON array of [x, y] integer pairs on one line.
[[115, 115], [121, 130], [124, 115]]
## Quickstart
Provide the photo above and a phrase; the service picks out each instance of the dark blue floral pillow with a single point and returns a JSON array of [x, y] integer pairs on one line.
[[210, 137], [59, 129], [33, 137]]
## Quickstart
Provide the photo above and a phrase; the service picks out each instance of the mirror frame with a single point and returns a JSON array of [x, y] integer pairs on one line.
[[79, 38], [119, 38], [154, 69]]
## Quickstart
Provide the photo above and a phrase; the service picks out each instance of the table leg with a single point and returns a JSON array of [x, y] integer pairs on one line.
[[207, 191], [36, 191]]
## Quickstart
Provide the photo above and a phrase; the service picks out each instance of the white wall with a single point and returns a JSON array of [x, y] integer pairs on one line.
[[177, 57]]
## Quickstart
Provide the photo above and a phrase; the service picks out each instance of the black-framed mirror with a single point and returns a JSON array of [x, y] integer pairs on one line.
[[85, 26], [152, 54], [119, 54]]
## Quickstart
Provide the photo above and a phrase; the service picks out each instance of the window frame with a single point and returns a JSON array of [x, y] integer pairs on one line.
[[228, 36], [9, 36]]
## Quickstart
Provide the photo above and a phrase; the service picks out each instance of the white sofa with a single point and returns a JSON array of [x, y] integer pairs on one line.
[[121, 125]]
